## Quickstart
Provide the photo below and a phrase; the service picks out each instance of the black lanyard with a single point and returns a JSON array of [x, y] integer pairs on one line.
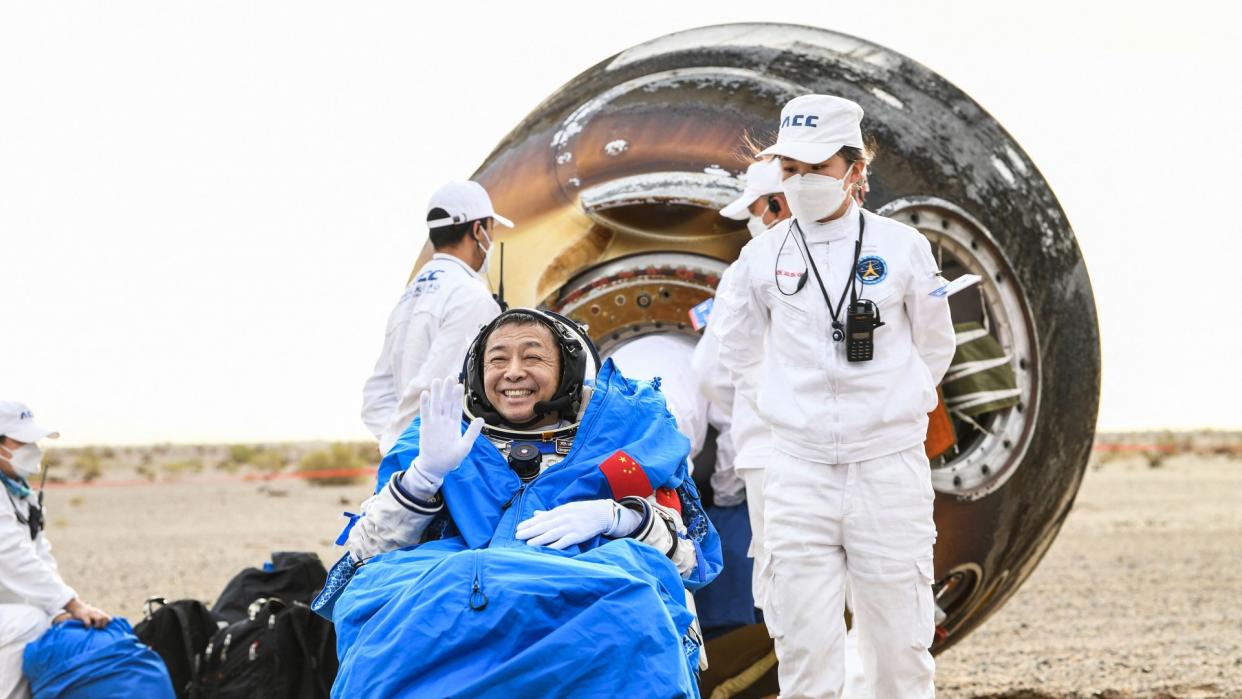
[[34, 512], [838, 329]]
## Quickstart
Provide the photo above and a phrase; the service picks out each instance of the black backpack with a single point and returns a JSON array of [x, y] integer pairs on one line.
[[178, 632], [279, 651], [292, 576]]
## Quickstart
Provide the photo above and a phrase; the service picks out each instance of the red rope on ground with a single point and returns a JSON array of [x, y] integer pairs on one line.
[[321, 474], [1122, 448], [241, 477]]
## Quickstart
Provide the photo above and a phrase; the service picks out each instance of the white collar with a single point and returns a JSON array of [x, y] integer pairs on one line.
[[460, 262], [840, 228]]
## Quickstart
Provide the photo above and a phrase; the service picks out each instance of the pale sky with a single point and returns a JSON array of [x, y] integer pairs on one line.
[[207, 210]]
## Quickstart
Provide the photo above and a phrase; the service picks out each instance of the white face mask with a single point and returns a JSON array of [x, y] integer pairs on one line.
[[487, 251], [813, 197], [26, 460], [756, 226]]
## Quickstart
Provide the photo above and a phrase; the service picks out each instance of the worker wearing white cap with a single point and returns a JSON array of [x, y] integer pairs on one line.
[[857, 338], [762, 203], [743, 439], [439, 313], [32, 593]]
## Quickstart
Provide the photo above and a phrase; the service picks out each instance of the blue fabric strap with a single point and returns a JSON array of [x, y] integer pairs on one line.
[[17, 486], [344, 537]]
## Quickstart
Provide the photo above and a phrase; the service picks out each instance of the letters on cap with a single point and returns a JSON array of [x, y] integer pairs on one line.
[[808, 120]]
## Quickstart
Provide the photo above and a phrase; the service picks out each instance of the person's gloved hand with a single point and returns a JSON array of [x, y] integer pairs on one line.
[[576, 522], [441, 444]]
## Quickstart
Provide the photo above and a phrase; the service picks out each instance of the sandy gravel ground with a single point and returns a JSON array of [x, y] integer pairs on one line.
[[1140, 596]]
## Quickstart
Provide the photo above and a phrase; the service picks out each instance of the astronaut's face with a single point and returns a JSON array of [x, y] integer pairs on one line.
[[521, 366]]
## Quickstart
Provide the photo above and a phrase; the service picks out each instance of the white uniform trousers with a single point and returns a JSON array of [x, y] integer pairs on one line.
[[20, 624], [870, 521], [753, 477]]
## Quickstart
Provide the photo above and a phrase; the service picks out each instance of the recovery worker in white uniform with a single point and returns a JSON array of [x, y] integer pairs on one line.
[[439, 313], [743, 438], [857, 337], [32, 593]]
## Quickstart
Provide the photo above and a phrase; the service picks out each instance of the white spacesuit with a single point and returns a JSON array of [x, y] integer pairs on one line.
[[398, 514], [848, 491]]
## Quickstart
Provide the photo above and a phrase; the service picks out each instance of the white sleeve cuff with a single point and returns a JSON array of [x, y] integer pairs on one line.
[[391, 519]]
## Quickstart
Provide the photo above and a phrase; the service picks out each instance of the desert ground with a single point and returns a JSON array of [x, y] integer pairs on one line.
[[1140, 595]]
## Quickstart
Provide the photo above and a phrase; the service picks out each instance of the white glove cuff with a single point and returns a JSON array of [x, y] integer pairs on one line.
[[418, 484], [624, 521]]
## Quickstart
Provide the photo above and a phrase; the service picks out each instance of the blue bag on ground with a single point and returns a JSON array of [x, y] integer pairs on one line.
[[478, 613], [71, 661]]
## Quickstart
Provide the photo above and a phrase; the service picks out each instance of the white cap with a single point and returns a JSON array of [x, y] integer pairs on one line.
[[464, 201], [815, 127], [17, 422], [762, 178]]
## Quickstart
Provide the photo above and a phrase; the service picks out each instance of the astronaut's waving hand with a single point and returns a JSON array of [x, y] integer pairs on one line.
[[441, 443]]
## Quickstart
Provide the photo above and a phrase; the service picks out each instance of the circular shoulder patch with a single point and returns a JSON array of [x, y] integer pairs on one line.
[[872, 269]]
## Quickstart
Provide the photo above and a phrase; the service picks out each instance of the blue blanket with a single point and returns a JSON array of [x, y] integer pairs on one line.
[[478, 613], [70, 661]]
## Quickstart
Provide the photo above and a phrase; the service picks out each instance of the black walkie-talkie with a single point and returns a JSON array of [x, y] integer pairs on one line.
[[500, 291], [861, 320]]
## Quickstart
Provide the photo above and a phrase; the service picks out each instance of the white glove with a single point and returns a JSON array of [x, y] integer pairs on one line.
[[576, 522], [441, 444]]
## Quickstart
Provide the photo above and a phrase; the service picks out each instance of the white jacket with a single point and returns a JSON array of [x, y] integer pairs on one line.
[[28, 573], [428, 335], [668, 358], [751, 437], [821, 407], [728, 488]]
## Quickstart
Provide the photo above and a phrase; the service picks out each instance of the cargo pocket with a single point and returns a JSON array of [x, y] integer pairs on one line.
[[916, 461], [923, 627], [761, 583], [772, 612]]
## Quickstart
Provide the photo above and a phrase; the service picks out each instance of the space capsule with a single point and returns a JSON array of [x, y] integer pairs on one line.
[[615, 181]]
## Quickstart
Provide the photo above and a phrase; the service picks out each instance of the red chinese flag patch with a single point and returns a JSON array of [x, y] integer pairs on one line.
[[625, 476], [668, 498]]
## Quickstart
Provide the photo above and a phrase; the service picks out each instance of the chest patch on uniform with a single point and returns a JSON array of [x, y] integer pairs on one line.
[[428, 282], [872, 269]]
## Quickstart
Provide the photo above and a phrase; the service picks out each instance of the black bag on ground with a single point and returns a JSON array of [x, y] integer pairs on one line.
[[178, 632], [292, 576], [279, 651]]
